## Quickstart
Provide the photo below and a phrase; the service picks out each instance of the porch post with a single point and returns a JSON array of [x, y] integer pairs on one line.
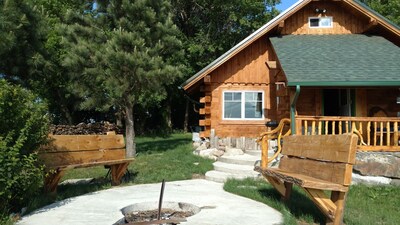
[[293, 110]]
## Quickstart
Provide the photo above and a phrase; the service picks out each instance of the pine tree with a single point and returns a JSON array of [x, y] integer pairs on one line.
[[123, 57]]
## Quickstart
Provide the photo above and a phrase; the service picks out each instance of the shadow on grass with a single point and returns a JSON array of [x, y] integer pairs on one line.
[[298, 204], [157, 145]]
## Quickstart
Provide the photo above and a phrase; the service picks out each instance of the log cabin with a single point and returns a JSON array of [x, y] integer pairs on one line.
[[331, 66]]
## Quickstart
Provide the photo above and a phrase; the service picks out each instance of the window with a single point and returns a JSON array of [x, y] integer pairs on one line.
[[243, 105], [320, 22]]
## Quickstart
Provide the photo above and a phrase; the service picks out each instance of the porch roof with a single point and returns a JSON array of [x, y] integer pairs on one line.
[[338, 60]]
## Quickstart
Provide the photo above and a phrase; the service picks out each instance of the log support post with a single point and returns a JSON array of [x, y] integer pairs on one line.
[[52, 179], [117, 171]]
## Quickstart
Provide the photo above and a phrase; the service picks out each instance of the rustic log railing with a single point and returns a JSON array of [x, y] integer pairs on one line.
[[277, 134], [376, 133]]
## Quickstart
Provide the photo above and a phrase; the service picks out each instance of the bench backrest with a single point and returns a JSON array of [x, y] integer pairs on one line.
[[66, 150], [326, 157]]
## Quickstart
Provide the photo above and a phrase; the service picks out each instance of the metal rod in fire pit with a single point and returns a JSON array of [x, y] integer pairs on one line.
[[161, 199]]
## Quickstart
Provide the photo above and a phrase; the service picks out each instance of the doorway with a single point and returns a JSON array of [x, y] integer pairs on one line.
[[338, 102]]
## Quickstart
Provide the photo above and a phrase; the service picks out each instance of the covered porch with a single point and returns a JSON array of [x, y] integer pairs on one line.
[[342, 83]]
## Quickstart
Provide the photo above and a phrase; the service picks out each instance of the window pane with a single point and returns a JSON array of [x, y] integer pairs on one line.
[[237, 96], [253, 105], [249, 96], [232, 110], [314, 22], [253, 110], [228, 96], [325, 22], [259, 96]]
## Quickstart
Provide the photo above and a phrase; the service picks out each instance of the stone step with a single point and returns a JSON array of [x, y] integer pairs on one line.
[[244, 159], [258, 153], [254, 152], [221, 177], [240, 170]]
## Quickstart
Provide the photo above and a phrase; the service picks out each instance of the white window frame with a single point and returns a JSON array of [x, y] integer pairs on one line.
[[242, 106], [319, 23]]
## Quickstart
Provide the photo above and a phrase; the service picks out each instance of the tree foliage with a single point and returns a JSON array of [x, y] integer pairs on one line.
[[212, 27], [121, 55], [23, 127], [388, 8], [21, 39]]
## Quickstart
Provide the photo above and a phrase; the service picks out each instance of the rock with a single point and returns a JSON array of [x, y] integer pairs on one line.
[[207, 153], [233, 151], [377, 164], [203, 146], [196, 144], [218, 152], [370, 180], [395, 182]]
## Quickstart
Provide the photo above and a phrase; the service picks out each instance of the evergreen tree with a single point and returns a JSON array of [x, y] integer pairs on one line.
[[123, 54], [388, 8], [51, 78], [22, 35]]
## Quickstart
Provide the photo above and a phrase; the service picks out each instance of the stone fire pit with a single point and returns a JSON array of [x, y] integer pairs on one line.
[[147, 211]]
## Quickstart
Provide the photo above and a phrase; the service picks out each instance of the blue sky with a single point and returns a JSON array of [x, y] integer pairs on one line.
[[285, 4]]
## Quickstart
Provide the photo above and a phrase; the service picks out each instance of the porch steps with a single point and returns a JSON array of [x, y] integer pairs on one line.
[[238, 166], [245, 159]]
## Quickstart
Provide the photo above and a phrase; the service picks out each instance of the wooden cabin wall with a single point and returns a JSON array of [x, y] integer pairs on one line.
[[309, 102], [344, 22], [385, 99], [245, 71]]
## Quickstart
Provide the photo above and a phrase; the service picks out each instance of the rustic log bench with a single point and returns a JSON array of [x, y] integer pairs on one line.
[[79, 151], [316, 163]]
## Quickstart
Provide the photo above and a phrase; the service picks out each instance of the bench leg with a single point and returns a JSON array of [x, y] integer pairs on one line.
[[51, 181], [284, 188], [288, 190], [117, 171], [339, 199]]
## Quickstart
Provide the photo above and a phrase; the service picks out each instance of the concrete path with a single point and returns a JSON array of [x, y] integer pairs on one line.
[[104, 207]]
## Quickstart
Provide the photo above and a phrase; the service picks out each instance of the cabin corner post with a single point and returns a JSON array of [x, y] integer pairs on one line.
[[293, 110]]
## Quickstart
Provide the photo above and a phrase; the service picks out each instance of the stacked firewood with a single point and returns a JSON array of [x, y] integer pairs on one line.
[[85, 128]]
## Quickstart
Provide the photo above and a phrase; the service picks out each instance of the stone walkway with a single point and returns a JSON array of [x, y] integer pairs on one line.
[[103, 207]]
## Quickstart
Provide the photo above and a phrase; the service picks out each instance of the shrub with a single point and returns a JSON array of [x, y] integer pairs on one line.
[[23, 128]]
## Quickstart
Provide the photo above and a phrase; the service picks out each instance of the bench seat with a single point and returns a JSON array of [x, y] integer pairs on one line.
[[302, 180]]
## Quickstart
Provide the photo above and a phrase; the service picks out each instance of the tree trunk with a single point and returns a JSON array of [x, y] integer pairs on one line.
[[168, 114], [66, 114], [129, 132], [186, 121]]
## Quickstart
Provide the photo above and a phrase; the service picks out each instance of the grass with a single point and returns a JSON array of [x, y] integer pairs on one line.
[[158, 158], [364, 206]]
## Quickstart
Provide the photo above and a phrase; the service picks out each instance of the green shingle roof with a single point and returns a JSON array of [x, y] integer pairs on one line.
[[338, 60]]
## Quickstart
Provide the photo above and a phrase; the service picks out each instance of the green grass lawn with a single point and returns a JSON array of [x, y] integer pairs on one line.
[[365, 205], [158, 158]]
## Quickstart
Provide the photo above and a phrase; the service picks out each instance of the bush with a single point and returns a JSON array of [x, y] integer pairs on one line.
[[23, 128]]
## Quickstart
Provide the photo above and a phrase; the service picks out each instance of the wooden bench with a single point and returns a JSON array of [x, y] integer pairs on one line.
[[316, 163], [78, 151]]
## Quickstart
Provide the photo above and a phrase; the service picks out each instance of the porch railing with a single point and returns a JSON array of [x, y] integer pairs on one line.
[[376, 133]]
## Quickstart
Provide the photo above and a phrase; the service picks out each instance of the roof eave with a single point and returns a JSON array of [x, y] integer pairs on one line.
[[344, 83]]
